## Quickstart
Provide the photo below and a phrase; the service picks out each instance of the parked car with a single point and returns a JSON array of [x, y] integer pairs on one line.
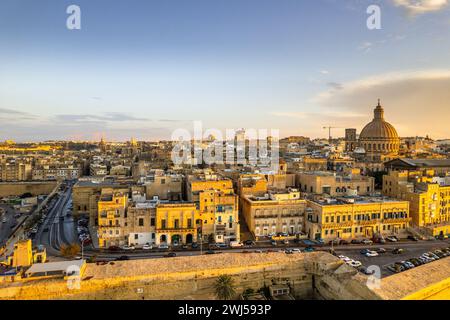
[[249, 243], [123, 258], [113, 248], [380, 250], [296, 250], [413, 238], [163, 246], [364, 270], [392, 238], [171, 254], [194, 245], [364, 251], [273, 242], [354, 263], [309, 249], [236, 244], [355, 241], [371, 254], [366, 241], [127, 247], [285, 241], [398, 251], [147, 247]]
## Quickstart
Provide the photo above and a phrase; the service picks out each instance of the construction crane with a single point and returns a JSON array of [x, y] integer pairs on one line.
[[329, 132]]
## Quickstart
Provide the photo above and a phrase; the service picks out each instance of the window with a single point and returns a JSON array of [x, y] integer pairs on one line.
[[152, 222], [163, 224], [136, 236], [141, 222], [176, 223], [189, 223]]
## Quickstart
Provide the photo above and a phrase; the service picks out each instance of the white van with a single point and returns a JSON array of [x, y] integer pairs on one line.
[[236, 244]]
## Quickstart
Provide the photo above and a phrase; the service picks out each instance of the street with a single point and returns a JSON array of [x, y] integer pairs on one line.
[[57, 228]]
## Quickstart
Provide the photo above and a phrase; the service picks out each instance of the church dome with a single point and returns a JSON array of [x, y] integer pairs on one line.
[[378, 129]]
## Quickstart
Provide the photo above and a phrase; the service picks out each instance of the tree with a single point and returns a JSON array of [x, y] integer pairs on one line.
[[70, 250], [224, 287]]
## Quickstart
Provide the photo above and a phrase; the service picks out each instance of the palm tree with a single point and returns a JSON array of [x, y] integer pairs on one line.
[[224, 287]]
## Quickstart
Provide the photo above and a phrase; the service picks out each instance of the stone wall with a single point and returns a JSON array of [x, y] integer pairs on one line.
[[19, 188], [194, 278]]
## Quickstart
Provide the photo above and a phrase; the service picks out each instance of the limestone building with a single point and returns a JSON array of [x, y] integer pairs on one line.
[[274, 213], [429, 198], [356, 217]]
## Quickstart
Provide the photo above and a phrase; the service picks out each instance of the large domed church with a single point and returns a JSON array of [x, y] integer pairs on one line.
[[378, 139]]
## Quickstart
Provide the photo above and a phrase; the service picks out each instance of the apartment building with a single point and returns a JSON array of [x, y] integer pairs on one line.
[[274, 212], [356, 217], [112, 207], [177, 223], [428, 195], [333, 184], [12, 169]]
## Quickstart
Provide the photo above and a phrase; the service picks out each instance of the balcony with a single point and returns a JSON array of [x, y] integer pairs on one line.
[[397, 220]]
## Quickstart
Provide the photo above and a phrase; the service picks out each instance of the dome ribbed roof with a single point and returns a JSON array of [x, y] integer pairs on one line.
[[378, 128]]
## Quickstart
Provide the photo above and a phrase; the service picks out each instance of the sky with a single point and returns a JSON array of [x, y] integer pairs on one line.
[[143, 68]]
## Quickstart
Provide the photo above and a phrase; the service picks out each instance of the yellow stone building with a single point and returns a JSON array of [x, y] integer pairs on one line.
[[428, 195], [24, 255], [360, 217], [177, 223], [277, 212], [112, 207], [218, 206]]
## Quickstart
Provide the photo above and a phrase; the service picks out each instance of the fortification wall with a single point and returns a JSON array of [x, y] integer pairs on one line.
[[19, 188], [194, 278]]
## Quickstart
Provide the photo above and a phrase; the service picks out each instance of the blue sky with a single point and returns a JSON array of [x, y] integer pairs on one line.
[[145, 68]]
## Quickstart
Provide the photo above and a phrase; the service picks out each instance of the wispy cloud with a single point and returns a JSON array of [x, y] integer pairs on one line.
[[416, 7], [410, 97], [108, 117]]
